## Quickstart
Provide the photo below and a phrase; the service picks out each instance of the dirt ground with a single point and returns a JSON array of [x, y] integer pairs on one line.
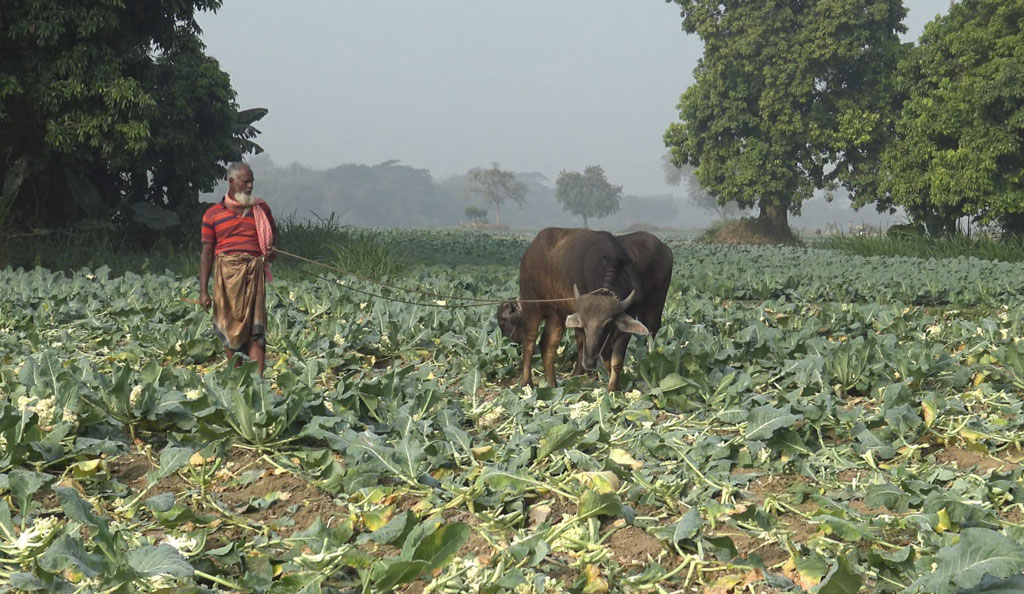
[[258, 495], [751, 231], [242, 487]]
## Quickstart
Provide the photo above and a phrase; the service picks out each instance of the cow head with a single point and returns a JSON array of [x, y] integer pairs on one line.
[[599, 314], [510, 321]]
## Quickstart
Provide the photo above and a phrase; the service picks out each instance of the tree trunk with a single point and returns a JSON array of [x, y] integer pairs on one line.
[[776, 215], [497, 214], [939, 224]]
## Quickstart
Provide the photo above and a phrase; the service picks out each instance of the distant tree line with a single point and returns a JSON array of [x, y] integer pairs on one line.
[[392, 194], [793, 98], [112, 112]]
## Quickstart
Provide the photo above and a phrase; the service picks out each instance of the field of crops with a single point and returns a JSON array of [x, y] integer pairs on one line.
[[804, 421]]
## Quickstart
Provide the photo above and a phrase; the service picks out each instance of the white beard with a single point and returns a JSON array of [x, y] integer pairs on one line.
[[243, 199]]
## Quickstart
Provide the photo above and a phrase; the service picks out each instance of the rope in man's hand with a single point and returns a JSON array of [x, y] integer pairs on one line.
[[439, 300]]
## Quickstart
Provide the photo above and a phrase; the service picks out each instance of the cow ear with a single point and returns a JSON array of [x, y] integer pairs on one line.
[[573, 321], [629, 324]]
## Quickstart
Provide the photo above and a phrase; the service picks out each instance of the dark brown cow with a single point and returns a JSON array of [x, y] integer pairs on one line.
[[611, 287]]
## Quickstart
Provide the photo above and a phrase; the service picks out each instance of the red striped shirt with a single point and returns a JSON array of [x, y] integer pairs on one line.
[[229, 232]]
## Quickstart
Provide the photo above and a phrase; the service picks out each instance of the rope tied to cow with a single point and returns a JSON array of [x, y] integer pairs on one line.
[[440, 301]]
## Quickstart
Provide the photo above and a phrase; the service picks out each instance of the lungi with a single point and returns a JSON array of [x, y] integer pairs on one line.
[[239, 300]]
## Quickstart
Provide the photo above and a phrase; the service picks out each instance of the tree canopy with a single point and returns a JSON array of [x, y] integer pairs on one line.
[[587, 194], [957, 149], [788, 97], [106, 106], [497, 186]]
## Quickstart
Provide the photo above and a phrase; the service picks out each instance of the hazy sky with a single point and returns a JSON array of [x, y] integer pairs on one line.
[[447, 85]]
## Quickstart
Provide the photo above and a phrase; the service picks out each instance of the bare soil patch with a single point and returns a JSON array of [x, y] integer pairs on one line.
[[771, 552], [963, 459], [776, 484], [634, 546], [275, 497], [865, 510], [131, 470], [476, 546], [848, 476]]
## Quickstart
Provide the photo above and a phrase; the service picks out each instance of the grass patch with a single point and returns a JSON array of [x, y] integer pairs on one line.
[[362, 252], [367, 253], [94, 245], [1005, 249]]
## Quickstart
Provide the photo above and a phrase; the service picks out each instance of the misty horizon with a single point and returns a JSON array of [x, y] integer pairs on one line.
[[451, 85], [393, 193]]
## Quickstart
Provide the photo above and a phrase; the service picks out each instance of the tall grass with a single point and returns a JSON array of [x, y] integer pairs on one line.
[[362, 252], [94, 246], [1006, 249]]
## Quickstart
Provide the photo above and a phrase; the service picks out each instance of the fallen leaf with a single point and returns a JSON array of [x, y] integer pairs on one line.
[[594, 582], [624, 458], [538, 515], [603, 481]]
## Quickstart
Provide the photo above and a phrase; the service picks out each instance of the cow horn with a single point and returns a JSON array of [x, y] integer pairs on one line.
[[575, 292], [625, 303]]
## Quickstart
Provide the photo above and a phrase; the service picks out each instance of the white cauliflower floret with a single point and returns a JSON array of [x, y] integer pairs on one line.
[[491, 417], [45, 408], [551, 586], [184, 545], [38, 535], [473, 569], [580, 409], [161, 582], [566, 538], [134, 397]]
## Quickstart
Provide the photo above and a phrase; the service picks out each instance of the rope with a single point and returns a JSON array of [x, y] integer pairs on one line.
[[441, 299], [439, 303]]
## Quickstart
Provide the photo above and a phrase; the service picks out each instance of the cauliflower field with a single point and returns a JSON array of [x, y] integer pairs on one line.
[[804, 421]]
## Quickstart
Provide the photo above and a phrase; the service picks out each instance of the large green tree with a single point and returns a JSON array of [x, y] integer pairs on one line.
[[789, 97], [109, 106], [587, 194], [958, 148]]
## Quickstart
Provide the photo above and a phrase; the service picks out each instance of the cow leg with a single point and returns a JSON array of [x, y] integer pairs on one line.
[[530, 327], [553, 328], [578, 370], [618, 357]]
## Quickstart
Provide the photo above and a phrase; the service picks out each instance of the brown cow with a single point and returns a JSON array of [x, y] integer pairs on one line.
[[610, 287]]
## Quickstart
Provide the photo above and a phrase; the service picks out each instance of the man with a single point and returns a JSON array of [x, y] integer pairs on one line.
[[239, 233]]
